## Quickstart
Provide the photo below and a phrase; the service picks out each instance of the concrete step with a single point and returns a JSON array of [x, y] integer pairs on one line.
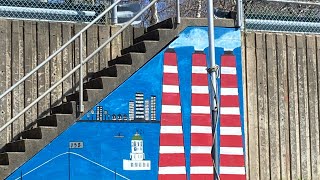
[[39, 133], [166, 24], [140, 47], [154, 35], [111, 71], [65, 108], [23, 145], [87, 93], [12, 158], [126, 59], [60, 121]]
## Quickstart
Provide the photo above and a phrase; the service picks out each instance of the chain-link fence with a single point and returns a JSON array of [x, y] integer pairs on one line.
[[282, 15], [55, 10]]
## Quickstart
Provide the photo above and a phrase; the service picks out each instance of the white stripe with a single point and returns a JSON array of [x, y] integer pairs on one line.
[[230, 131], [229, 91], [200, 109], [232, 170], [231, 150], [230, 110], [199, 69], [171, 130], [228, 70], [172, 170], [201, 170], [170, 69], [170, 89], [171, 109], [200, 89], [201, 129], [200, 149], [171, 149]]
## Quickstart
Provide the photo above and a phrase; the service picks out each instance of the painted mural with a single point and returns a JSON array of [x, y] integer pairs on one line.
[[157, 124]]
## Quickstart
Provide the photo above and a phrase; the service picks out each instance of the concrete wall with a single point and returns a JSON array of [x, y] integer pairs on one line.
[[281, 84], [24, 44]]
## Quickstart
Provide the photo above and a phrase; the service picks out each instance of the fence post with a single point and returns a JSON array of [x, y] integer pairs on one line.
[[114, 14]]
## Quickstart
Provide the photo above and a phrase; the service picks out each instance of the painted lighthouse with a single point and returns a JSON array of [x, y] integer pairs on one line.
[[137, 158]]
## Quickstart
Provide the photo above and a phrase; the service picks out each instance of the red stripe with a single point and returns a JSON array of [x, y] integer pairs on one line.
[[201, 160], [201, 119], [201, 139], [170, 79], [171, 139], [200, 100], [202, 177], [229, 101], [170, 98], [232, 177], [171, 119], [199, 79], [230, 141], [171, 177], [232, 160], [229, 81], [170, 58], [199, 59], [230, 120], [228, 61], [171, 160]]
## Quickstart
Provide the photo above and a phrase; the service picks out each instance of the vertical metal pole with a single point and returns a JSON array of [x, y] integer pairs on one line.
[[178, 11], [239, 13], [81, 107], [114, 14], [214, 106]]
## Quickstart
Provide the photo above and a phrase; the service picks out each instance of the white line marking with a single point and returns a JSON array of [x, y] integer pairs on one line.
[[199, 69], [230, 110], [172, 170], [201, 129], [231, 150], [230, 131], [171, 130], [200, 89], [228, 70], [170, 89], [201, 170], [200, 150], [229, 91], [200, 109], [170, 69], [232, 170], [171, 109], [171, 149]]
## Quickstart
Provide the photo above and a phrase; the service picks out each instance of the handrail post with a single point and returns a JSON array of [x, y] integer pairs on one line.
[[178, 11], [81, 107], [114, 14], [239, 14]]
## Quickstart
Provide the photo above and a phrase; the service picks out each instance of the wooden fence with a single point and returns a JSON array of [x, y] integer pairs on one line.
[[282, 90], [24, 44]]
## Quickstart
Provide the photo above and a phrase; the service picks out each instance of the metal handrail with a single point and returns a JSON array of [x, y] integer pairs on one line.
[[79, 66]]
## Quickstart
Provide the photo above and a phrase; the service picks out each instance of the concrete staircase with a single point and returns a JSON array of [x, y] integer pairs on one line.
[[31, 141]]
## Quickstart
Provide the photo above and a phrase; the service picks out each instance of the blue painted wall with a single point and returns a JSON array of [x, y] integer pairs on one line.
[[105, 142]]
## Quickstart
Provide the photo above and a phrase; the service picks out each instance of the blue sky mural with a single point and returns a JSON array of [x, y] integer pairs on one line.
[[106, 142]]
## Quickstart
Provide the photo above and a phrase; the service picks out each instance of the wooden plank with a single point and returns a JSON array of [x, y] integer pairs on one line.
[[313, 106], [303, 107], [5, 77], [283, 107], [55, 63], [67, 60], [263, 106], [78, 28], [30, 59], [245, 105], [318, 81], [116, 44], [104, 56], [273, 107], [293, 107], [253, 124], [17, 74], [92, 45], [44, 72], [9, 74], [127, 37]]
